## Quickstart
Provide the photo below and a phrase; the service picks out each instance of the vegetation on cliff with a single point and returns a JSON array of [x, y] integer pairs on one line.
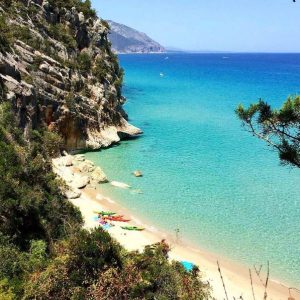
[[58, 75]]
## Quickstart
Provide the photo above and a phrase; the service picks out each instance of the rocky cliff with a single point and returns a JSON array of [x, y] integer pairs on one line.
[[128, 40], [58, 72]]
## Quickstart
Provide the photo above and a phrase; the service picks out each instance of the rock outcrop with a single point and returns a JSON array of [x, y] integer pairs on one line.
[[59, 73], [125, 39]]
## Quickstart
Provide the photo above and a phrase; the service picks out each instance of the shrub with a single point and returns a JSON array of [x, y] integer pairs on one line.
[[62, 34], [84, 63], [81, 6], [53, 143], [24, 34], [6, 292], [5, 36], [100, 69]]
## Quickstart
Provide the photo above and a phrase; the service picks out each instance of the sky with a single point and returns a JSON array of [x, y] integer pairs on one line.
[[211, 25]]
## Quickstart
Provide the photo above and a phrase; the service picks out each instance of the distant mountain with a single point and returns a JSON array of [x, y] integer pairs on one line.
[[128, 40]]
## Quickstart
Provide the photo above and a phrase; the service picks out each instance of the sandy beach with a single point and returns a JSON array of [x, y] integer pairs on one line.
[[236, 277]]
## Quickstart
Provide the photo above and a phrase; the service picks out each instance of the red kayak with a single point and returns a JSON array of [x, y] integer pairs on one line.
[[116, 219]]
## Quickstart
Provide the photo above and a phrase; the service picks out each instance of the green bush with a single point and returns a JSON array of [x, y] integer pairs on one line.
[[24, 34], [81, 6], [100, 70], [84, 63], [62, 34], [5, 35], [6, 292]]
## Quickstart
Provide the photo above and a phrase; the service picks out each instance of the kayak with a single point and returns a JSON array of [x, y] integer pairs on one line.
[[105, 213], [116, 218], [133, 228]]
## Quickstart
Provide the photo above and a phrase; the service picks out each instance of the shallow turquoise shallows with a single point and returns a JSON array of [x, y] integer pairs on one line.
[[203, 174]]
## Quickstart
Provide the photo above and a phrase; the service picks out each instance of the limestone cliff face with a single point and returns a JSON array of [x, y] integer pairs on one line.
[[59, 72]]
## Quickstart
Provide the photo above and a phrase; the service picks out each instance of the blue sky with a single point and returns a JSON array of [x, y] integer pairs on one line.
[[221, 25]]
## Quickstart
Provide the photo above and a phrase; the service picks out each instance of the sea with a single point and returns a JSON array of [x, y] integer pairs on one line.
[[206, 177]]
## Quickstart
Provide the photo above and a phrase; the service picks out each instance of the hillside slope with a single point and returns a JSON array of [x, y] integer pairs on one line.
[[128, 40], [60, 73]]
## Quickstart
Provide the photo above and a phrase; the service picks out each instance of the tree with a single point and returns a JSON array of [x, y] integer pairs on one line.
[[279, 128]]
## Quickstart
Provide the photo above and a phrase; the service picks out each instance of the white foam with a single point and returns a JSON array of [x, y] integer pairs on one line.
[[121, 185], [109, 200]]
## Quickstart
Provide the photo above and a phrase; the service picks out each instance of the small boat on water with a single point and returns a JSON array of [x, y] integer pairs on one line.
[[133, 228]]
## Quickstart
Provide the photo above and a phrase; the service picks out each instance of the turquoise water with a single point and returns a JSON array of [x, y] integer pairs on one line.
[[203, 174]]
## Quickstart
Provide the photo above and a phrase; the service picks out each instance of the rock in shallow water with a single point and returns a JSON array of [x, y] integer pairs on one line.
[[138, 173]]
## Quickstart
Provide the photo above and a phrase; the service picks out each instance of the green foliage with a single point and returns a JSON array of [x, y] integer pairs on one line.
[[6, 292], [100, 70], [105, 23], [5, 35], [52, 143], [84, 63], [92, 266], [279, 128], [149, 275], [32, 206], [82, 6], [78, 263], [24, 34], [62, 34]]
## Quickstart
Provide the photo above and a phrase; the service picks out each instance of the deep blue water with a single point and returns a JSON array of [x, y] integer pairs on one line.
[[203, 174]]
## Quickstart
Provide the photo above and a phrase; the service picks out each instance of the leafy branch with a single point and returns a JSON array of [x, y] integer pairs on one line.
[[280, 129]]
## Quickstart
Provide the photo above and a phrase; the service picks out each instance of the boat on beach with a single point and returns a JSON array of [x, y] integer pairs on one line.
[[133, 228]]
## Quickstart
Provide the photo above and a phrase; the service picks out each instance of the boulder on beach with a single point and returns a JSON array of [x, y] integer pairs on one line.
[[72, 194], [138, 173], [80, 182], [99, 176], [68, 161], [120, 185], [86, 167], [80, 157]]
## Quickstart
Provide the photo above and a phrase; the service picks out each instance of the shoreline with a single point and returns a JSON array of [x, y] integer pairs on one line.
[[236, 276]]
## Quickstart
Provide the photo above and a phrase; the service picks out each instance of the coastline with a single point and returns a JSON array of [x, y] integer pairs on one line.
[[236, 276]]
